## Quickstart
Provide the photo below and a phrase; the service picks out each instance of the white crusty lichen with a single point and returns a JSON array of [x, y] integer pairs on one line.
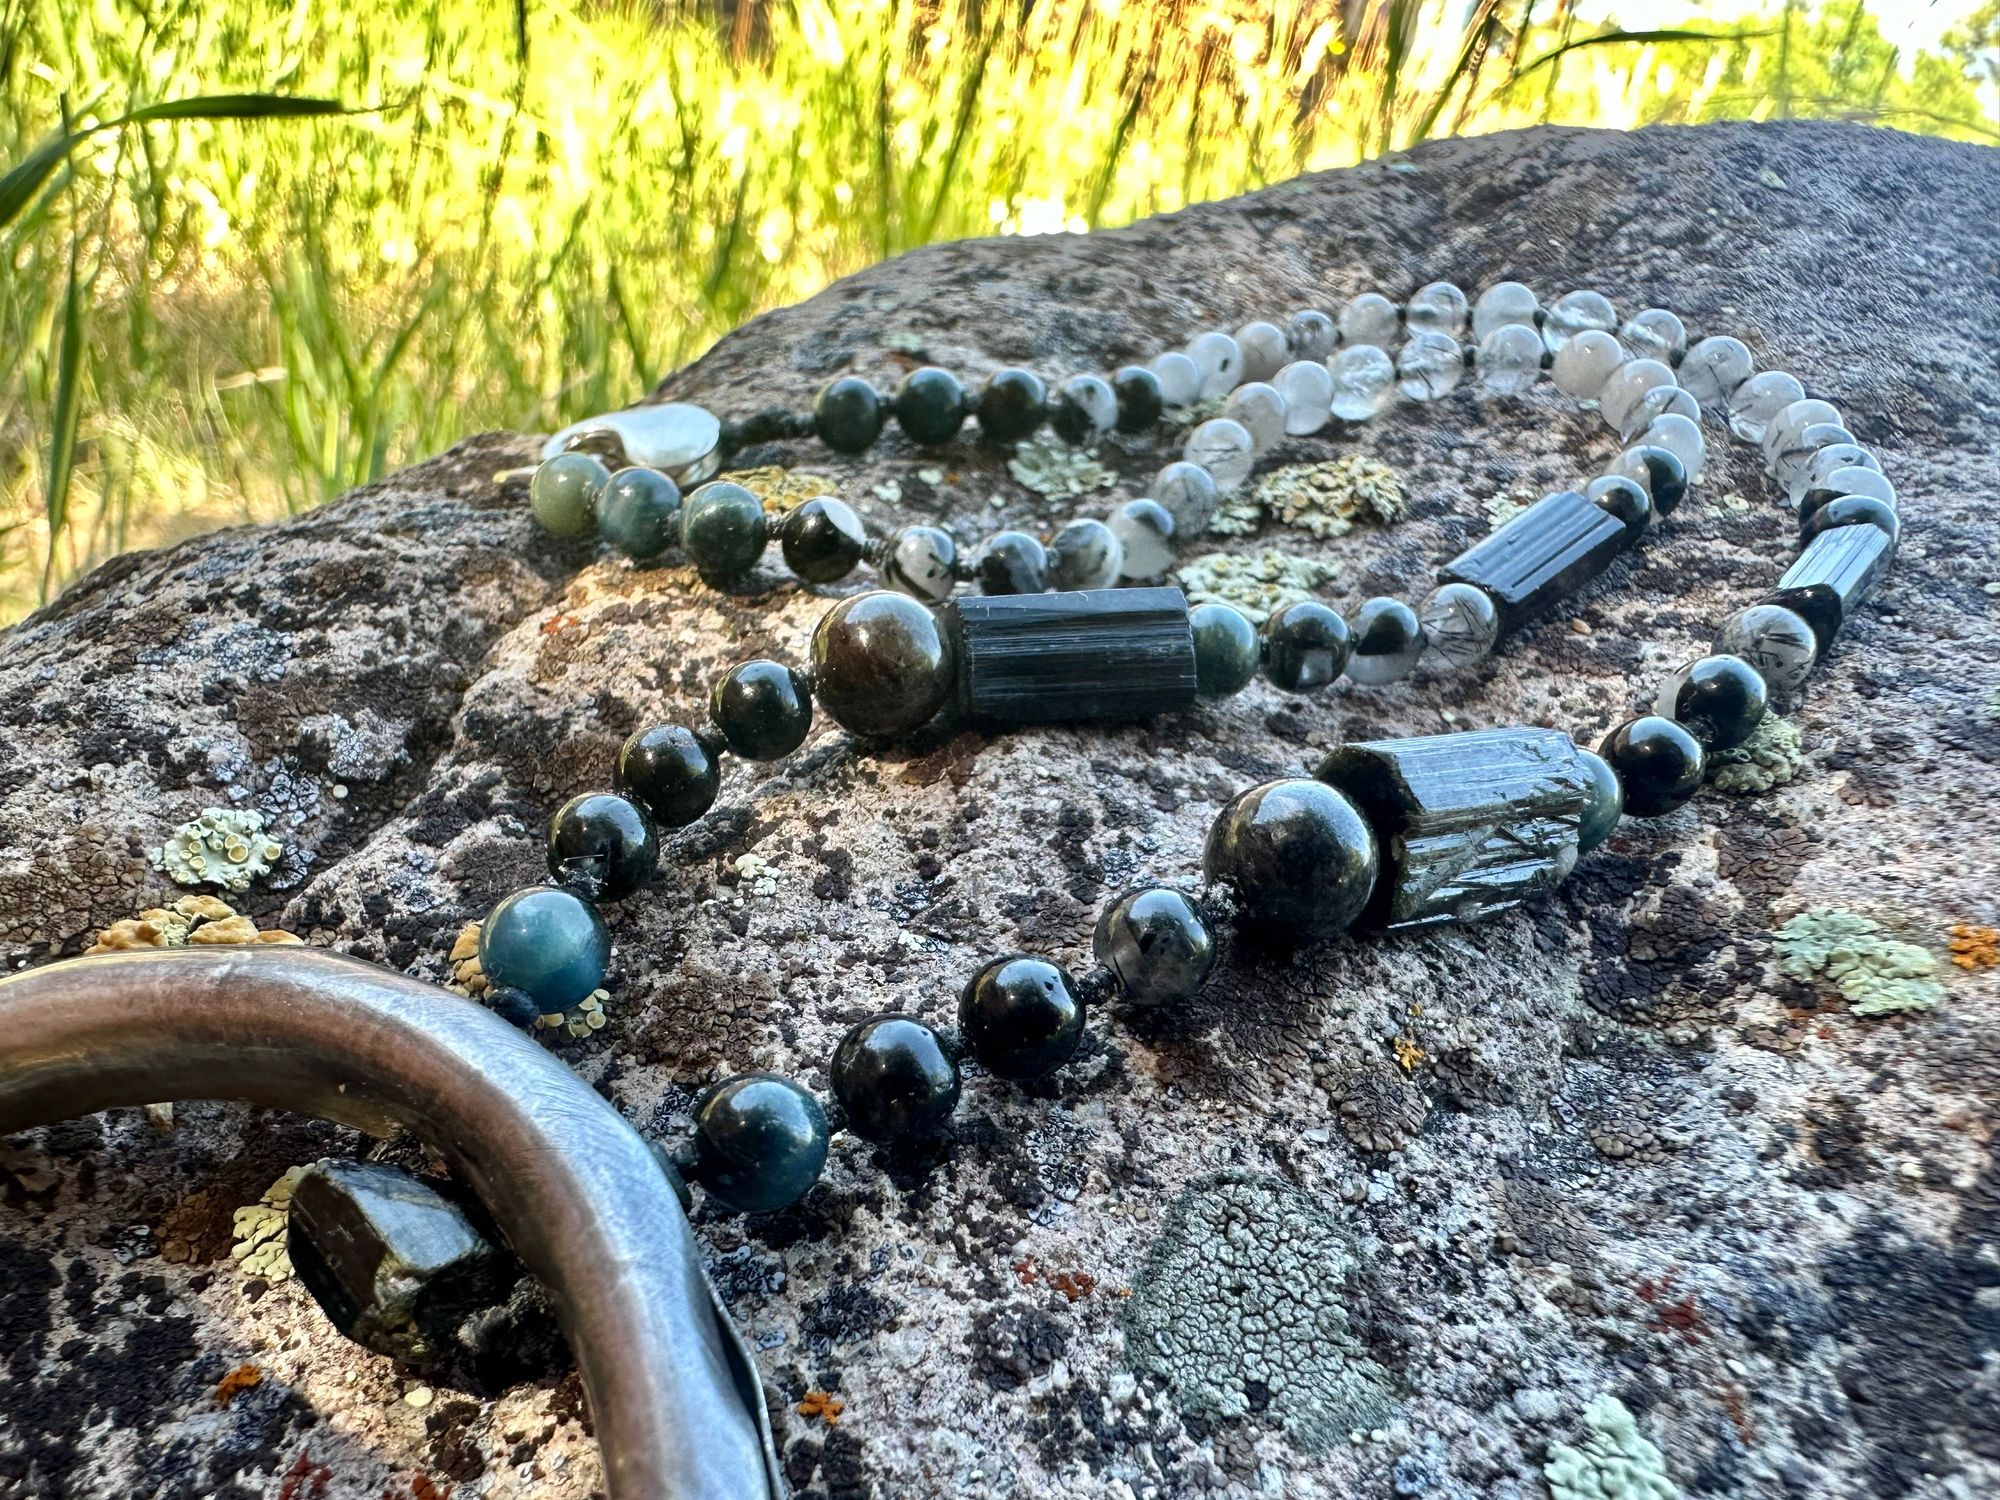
[[1257, 583], [1875, 974], [259, 1231], [1329, 499], [225, 846], [1770, 757], [1049, 466], [1614, 1462]]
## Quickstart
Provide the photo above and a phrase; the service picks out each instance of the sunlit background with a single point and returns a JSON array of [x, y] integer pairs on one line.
[[535, 213]]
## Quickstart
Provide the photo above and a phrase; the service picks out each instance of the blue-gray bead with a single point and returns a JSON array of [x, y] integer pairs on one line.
[[1155, 944], [639, 513], [563, 494], [759, 1142], [550, 943], [1226, 649], [1298, 856], [1306, 646], [723, 531], [1606, 804]]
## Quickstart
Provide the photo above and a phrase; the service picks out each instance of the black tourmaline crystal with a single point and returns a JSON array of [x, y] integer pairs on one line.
[[1550, 550], [1092, 655], [1467, 824], [1838, 569]]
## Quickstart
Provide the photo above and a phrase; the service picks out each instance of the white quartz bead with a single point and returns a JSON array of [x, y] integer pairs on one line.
[[1789, 423], [1823, 465], [1370, 318], [1188, 492], [1261, 410], [1179, 377], [1585, 362], [1429, 365], [1800, 451], [1312, 334], [1225, 449], [1714, 368], [1682, 438], [1577, 312], [1364, 382], [1307, 387], [1660, 401], [1626, 385], [1265, 350], [1509, 359], [1654, 334], [1220, 360], [1145, 533], [1437, 307], [1760, 398], [1855, 480], [1502, 304]]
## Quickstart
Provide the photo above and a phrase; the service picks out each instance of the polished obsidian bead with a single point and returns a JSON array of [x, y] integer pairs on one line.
[[880, 664], [849, 414], [515, 1007], [822, 539], [1853, 510], [1021, 1017], [602, 846], [1155, 944], [1011, 562], [1666, 478], [930, 405], [546, 941], [1544, 554], [762, 709], [759, 1142], [1012, 404], [1139, 400], [639, 513], [894, 1078], [1606, 804], [1083, 409], [1838, 570], [1306, 646], [1226, 649], [1298, 856], [671, 771], [1659, 764], [1086, 656], [723, 531], [1718, 699]]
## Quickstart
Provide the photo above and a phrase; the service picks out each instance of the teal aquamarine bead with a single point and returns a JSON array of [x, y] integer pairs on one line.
[[563, 494], [723, 531], [639, 513], [549, 943], [1226, 649], [759, 1142]]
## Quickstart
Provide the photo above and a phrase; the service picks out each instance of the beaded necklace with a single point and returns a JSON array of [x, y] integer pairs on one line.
[[1385, 836]]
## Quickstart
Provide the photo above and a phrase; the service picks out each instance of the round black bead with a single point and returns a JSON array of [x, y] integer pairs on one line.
[[602, 846], [1298, 855], [1225, 649], [848, 414], [1139, 400], [1718, 699], [1011, 562], [671, 771], [881, 666], [1624, 498], [823, 539], [723, 531], [759, 1142], [762, 709], [1306, 646], [1012, 405], [1155, 944], [1666, 477], [1021, 1017], [1659, 764], [930, 405], [1848, 510], [894, 1078]]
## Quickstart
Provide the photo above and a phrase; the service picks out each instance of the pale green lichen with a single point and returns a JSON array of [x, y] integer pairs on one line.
[[259, 1231], [1049, 466], [581, 1019], [1770, 757], [782, 489], [1503, 508], [1257, 584], [1875, 974], [1614, 1462], [224, 846], [1329, 499]]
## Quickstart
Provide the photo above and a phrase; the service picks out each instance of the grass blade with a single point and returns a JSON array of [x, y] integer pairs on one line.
[[232, 107], [20, 184], [1613, 38], [63, 421]]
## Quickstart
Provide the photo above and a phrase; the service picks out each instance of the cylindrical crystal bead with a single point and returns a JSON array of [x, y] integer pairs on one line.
[[1551, 549], [1836, 572], [1091, 656]]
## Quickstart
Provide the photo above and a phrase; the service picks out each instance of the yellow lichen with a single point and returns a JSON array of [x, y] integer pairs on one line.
[[191, 919], [780, 488], [1328, 499], [260, 1231], [1408, 1053], [824, 1405]]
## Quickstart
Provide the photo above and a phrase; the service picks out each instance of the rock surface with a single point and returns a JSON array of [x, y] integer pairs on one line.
[[1793, 1292]]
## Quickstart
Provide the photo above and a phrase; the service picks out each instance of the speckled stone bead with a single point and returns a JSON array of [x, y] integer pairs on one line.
[[1504, 304], [1388, 639], [930, 405], [1021, 1017], [671, 771], [759, 1142], [1145, 533], [1226, 649], [1307, 388], [1155, 945], [1265, 350], [1220, 360], [1261, 410], [1654, 334], [1011, 562], [1659, 764], [822, 539], [1605, 805], [1364, 382], [1012, 404], [894, 1079], [849, 414], [922, 562], [1188, 492], [1311, 334], [1370, 318], [1658, 472], [1179, 378], [761, 709], [1083, 410], [1085, 554], [1852, 510], [1756, 401], [1461, 625], [563, 494], [639, 513], [1717, 699], [1575, 313], [1624, 498], [1509, 360], [549, 943], [723, 531], [1297, 855], [1429, 366], [1584, 363], [602, 846], [1775, 640], [880, 664], [1306, 646], [1140, 403], [1713, 369], [1438, 307], [1225, 449]]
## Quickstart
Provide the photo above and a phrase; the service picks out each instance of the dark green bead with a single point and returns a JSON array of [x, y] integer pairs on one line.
[[759, 1142], [930, 405], [1021, 1017], [564, 491], [1226, 649], [1012, 405], [1155, 944], [639, 513], [762, 709], [1298, 856], [1606, 804], [723, 531], [548, 942], [880, 664], [671, 771], [1011, 562], [894, 1078], [1139, 401], [823, 539], [849, 415], [602, 846], [1306, 646], [1659, 764]]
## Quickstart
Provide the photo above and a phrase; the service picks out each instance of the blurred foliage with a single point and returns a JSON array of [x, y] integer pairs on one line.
[[538, 212]]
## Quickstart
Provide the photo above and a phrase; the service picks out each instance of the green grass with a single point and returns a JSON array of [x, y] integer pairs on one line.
[[220, 319]]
